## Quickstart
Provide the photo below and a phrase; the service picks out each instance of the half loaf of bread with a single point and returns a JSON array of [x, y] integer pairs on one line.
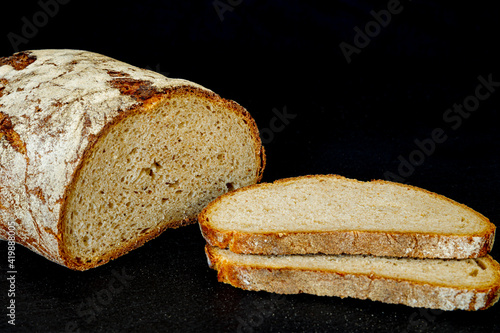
[[334, 215], [98, 156], [447, 284]]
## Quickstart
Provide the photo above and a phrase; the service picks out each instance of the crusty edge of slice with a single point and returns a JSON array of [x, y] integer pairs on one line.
[[362, 286], [398, 244]]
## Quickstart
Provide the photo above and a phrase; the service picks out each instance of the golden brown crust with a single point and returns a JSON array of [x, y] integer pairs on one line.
[[7, 130], [398, 244], [19, 60], [286, 280], [350, 242]]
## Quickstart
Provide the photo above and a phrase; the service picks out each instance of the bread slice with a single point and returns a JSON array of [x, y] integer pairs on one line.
[[447, 284], [333, 215], [98, 156]]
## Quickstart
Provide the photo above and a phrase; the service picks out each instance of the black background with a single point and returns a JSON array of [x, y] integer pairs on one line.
[[357, 119]]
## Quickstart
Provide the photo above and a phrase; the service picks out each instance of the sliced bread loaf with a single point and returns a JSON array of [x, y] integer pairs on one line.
[[98, 156], [333, 215], [466, 284]]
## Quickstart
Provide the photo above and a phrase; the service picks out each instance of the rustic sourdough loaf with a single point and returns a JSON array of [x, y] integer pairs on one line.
[[98, 156], [333, 215], [447, 284]]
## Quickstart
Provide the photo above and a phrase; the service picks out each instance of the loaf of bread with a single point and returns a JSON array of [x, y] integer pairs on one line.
[[334, 215], [446, 284], [98, 156]]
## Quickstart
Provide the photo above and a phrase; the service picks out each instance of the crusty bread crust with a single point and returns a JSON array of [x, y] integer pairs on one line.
[[412, 293], [69, 98], [396, 244]]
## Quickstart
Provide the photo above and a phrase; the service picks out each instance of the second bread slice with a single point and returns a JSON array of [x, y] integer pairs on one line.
[[467, 284], [333, 215]]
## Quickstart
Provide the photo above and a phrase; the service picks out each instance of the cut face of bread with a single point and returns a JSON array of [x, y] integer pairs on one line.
[[154, 170], [99, 156], [334, 215], [467, 284]]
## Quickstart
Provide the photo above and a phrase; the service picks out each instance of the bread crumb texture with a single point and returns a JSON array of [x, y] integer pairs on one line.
[[332, 214], [335, 203]]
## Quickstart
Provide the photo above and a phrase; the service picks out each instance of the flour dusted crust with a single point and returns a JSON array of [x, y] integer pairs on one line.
[[54, 105], [379, 243], [374, 286]]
